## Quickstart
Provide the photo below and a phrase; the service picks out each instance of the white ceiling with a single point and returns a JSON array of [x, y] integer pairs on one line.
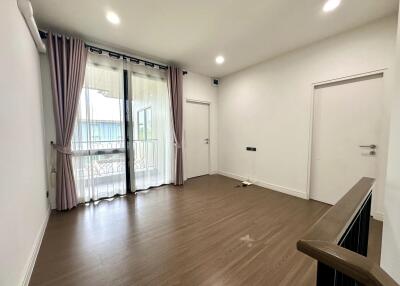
[[192, 32]]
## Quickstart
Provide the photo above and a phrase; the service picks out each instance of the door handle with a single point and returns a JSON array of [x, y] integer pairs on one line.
[[372, 146], [206, 140]]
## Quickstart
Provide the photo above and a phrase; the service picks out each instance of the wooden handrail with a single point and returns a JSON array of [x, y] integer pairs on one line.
[[321, 241]]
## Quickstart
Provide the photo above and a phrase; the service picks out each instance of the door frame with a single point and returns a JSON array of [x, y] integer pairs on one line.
[[208, 103], [313, 110]]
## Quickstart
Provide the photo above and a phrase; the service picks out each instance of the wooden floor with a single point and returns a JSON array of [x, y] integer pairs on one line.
[[207, 233]]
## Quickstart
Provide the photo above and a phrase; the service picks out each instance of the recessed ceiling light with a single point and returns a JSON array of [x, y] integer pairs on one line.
[[113, 18], [219, 60], [331, 5]]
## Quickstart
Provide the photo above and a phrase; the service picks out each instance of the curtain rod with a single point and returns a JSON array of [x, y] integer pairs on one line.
[[114, 55]]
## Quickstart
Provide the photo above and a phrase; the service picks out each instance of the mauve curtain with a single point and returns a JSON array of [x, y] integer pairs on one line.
[[67, 59], [175, 90]]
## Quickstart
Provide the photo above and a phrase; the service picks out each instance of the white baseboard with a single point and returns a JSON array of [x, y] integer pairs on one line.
[[35, 250], [282, 189], [377, 215], [231, 175], [277, 188]]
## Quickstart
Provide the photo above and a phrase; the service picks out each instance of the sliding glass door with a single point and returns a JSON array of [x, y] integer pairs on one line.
[[151, 148], [123, 138], [98, 142]]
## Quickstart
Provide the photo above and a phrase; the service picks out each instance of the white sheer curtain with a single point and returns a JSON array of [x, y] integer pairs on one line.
[[151, 128], [98, 142]]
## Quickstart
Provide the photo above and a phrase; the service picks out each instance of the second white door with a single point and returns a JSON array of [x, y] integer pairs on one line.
[[346, 136], [197, 139]]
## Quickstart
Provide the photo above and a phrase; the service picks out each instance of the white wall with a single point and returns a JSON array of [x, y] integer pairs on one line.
[[269, 106], [24, 207], [198, 87], [390, 259], [49, 127]]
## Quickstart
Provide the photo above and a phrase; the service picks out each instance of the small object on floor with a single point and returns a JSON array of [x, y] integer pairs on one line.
[[246, 183], [247, 239]]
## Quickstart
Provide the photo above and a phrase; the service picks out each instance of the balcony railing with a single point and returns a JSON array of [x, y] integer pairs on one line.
[[102, 168], [145, 154], [109, 159]]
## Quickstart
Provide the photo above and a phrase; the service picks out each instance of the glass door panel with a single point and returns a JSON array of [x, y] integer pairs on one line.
[[152, 146], [98, 141]]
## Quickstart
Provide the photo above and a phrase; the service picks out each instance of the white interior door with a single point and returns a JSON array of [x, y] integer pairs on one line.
[[347, 115], [197, 139]]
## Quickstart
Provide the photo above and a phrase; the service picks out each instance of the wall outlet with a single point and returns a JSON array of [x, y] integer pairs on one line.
[[253, 149]]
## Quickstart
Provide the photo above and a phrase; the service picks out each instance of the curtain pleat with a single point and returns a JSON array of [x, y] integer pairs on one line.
[[176, 93], [67, 58]]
